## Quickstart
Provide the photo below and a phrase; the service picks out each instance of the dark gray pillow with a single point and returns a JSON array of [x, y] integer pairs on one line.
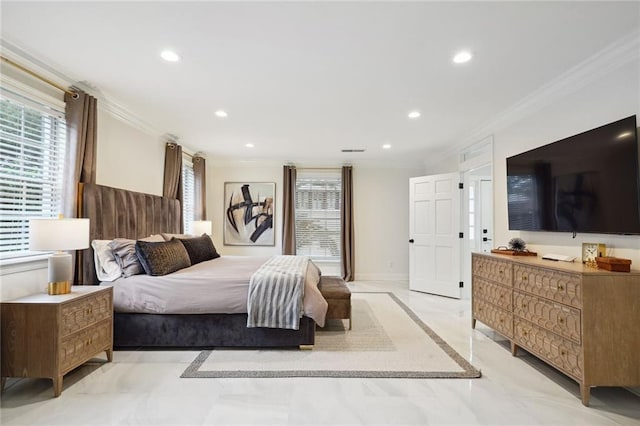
[[162, 258], [124, 251], [199, 248]]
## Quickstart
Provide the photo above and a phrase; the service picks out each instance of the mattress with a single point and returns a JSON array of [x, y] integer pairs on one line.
[[218, 286]]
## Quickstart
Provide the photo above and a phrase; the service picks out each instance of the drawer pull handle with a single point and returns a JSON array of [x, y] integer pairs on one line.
[[502, 296], [563, 352], [524, 305], [500, 271], [525, 333], [524, 278], [501, 320], [560, 287], [560, 320]]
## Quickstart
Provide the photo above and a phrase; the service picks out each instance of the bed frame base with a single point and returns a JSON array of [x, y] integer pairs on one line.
[[204, 330]]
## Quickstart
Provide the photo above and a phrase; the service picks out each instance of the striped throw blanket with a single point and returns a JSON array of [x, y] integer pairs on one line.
[[276, 290]]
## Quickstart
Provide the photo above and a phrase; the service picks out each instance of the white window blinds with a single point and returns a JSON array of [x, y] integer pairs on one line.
[[318, 214], [188, 198], [32, 144]]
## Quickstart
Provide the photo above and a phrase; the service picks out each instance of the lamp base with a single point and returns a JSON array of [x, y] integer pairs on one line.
[[60, 287]]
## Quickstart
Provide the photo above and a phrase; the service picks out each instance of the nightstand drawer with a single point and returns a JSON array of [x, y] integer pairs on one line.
[[89, 310], [555, 317], [496, 294], [77, 348], [551, 284], [493, 269]]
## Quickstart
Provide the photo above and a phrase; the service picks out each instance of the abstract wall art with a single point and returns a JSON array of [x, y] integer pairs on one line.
[[249, 210]]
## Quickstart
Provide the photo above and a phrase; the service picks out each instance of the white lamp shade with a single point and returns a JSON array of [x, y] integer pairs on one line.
[[58, 234], [199, 227]]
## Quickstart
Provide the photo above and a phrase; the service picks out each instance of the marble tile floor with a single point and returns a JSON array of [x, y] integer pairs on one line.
[[144, 388]]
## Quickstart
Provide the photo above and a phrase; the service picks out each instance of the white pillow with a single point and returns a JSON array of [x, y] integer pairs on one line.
[[107, 269]]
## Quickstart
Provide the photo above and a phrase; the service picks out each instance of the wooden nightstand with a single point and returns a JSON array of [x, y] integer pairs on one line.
[[48, 336]]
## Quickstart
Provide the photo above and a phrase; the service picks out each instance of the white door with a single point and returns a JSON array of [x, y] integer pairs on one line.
[[434, 241]]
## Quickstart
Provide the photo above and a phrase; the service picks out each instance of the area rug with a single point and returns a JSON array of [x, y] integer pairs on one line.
[[387, 340]]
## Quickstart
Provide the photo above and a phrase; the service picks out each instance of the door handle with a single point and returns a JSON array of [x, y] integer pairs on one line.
[[486, 239], [411, 241]]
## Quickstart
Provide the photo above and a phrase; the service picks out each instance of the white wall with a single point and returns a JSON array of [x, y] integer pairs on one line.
[[381, 215], [381, 221], [610, 98], [128, 157]]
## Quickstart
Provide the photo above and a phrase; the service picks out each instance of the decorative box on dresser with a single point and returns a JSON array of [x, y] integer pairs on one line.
[[48, 336], [583, 321]]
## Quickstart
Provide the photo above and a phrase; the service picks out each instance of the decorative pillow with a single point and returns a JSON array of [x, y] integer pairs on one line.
[[162, 258], [168, 237], [107, 269], [125, 254], [199, 248], [153, 238]]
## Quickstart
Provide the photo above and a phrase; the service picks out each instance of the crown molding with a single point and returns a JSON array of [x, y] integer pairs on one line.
[[55, 74], [617, 54]]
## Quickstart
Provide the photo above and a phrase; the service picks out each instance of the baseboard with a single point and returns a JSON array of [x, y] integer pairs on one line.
[[381, 277]]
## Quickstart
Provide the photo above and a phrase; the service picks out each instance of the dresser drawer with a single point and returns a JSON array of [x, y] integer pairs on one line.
[[85, 311], [493, 269], [496, 294], [560, 319], [77, 348], [562, 353], [494, 317], [555, 285]]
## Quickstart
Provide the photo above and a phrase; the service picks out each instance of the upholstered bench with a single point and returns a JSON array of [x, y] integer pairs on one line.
[[338, 296]]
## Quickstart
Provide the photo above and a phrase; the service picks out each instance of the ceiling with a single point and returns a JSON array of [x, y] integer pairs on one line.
[[303, 80]]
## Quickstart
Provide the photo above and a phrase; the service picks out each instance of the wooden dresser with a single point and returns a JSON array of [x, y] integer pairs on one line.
[[48, 336], [583, 321]]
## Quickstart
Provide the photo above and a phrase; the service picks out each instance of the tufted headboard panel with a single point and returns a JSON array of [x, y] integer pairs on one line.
[[118, 213]]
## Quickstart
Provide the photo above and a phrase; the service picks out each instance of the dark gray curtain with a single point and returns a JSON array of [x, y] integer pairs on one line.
[[81, 113], [172, 187], [346, 225], [199, 188], [289, 210]]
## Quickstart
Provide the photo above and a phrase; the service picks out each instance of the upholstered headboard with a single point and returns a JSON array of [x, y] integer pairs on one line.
[[118, 213]]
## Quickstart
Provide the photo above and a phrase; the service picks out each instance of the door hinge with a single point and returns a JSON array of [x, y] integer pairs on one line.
[[461, 284], [460, 185], [460, 234]]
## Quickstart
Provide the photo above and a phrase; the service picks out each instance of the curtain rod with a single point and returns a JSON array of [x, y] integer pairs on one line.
[[38, 76]]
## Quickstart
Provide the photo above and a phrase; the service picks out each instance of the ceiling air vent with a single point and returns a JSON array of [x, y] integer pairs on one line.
[[353, 150]]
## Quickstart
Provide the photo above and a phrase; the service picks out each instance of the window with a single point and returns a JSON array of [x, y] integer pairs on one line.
[[188, 189], [318, 215], [32, 144]]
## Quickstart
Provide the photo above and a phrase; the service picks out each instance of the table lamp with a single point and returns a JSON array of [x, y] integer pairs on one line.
[[59, 235], [199, 227]]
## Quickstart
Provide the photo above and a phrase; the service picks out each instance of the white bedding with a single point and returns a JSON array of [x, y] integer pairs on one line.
[[215, 286]]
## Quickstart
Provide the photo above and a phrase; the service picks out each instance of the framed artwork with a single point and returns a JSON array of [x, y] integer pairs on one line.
[[249, 209]]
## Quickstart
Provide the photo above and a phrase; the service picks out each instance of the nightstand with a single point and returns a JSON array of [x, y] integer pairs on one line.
[[48, 336]]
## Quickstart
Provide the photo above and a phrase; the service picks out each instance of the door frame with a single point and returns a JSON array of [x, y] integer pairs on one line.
[[476, 156]]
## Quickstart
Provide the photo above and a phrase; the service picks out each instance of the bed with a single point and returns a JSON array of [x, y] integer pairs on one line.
[[118, 213]]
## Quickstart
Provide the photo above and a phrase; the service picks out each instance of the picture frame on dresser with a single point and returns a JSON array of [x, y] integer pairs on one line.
[[580, 320]]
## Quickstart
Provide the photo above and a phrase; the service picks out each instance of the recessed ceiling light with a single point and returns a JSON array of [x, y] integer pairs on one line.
[[386, 146], [414, 114], [462, 57], [249, 145], [170, 56], [220, 113], [624, 135]]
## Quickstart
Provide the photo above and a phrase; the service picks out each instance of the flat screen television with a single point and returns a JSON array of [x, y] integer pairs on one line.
[[589, 182]]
